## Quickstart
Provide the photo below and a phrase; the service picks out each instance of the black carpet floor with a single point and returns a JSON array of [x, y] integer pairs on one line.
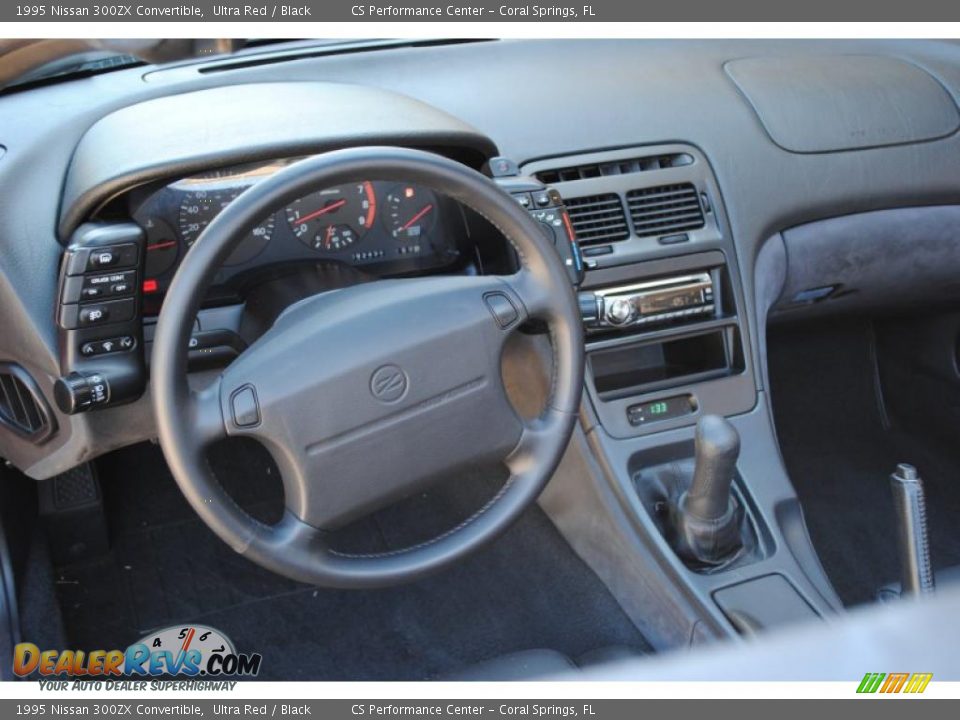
[[526, 590], [839, 454]]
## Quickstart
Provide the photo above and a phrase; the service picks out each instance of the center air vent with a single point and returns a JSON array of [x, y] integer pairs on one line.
[[22, 407], [614, 167], [597, 218], [665, 209]]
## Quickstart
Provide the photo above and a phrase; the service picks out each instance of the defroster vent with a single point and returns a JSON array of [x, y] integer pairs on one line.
[[665, 209], [597, 218], [22, 407]]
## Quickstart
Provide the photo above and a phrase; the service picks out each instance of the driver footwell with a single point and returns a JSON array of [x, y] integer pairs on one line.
[[527, 590]]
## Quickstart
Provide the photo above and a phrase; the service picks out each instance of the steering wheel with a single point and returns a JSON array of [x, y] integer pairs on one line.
[[409, 390]]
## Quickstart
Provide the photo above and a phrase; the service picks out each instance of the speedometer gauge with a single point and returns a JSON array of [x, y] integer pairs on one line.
[[199, 207], [335, 218]]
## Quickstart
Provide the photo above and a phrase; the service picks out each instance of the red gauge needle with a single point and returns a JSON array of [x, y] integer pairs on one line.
[[161, 246], [326, 240], [322, 211], [423, 211]]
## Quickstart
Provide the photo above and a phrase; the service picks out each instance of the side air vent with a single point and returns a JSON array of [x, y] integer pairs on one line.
[[614, 167], [597, 218], [665, 209], [22, 408]]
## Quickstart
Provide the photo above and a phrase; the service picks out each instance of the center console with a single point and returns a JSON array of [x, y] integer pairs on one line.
[[664, 343], [669, 370]]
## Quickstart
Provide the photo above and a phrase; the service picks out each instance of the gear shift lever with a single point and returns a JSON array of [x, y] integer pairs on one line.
[[706, 517]]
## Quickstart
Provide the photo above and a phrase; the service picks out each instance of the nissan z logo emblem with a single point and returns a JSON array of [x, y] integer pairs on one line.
[[388, 383]]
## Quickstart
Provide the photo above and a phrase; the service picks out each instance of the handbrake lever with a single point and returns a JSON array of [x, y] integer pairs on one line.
[[916, 571]]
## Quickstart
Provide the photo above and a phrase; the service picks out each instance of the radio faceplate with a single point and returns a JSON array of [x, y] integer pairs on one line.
[[649, 302]]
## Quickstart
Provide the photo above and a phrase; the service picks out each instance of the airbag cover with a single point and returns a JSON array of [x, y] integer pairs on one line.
[[827, 103]]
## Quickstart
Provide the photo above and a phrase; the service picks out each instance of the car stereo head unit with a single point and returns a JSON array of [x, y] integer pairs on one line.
[[649, 302]]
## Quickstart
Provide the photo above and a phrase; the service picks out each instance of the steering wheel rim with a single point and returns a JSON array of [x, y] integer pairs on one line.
[[189, 421]]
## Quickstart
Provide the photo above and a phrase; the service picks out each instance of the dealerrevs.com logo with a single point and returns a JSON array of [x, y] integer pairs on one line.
[[191, 651]]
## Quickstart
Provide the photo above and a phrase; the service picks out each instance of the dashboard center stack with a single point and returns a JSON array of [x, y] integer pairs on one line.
[[661, 300]]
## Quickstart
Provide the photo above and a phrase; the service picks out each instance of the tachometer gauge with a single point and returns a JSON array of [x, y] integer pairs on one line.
[[199, 207], [333, 219], [411, 212]]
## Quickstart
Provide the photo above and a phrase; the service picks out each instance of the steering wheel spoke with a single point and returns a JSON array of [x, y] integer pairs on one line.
[[207, 414], [536, 299], [537, 442]]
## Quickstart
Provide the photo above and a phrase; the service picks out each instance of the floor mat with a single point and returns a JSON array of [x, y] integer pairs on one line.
[[526, 590], [839, 454]]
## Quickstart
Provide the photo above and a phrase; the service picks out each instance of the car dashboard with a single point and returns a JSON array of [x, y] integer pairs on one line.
[[696, 191], [151, 155]]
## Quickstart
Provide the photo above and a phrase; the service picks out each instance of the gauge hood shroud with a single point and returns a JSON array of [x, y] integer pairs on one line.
[[236, 124]]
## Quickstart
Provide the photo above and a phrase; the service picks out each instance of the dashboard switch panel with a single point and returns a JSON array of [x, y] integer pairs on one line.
[[545, 205], [101, 359]]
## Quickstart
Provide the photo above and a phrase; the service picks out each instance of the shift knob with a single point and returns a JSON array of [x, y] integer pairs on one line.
[[716, 449], [706, 519]]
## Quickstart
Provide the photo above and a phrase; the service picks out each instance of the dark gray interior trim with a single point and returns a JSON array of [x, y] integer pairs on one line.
[[593, 501], [917, 636], [585, 508], [769, 277], [875, 261]]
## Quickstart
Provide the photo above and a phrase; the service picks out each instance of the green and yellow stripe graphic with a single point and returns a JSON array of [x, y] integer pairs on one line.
[[894, 682]]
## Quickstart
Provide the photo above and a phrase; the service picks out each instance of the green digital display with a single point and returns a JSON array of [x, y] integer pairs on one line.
[[661, 409]]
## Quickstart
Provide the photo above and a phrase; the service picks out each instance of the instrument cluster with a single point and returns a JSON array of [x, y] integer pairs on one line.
[[385, 228]]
